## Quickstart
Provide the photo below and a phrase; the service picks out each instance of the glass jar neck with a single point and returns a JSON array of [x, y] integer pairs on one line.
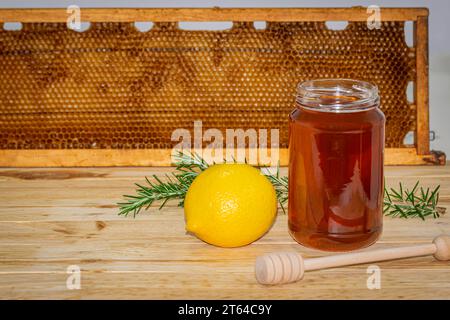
[[337, 95]]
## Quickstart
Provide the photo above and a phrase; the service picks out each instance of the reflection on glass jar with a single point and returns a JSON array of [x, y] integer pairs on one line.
[[336, 146]]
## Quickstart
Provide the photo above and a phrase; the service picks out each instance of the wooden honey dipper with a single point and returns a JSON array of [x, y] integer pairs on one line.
[[286, 267]]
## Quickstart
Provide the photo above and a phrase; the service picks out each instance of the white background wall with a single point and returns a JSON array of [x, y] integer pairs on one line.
[[439, 39]]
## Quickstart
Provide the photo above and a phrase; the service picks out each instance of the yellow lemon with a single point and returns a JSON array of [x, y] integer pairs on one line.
[[230, 205]]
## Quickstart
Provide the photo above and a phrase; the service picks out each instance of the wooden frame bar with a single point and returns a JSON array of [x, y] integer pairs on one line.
[[209, 14], [422, 86], [161, 157], [419, 154]]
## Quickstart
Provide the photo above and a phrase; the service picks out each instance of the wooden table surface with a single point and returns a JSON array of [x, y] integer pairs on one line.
[[53, 218]]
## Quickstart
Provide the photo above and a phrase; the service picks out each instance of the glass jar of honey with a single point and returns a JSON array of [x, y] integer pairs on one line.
[[336, 150]]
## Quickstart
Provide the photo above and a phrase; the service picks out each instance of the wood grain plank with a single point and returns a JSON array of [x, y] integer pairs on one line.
[[101, 212], [171, 223], [113, 173], [236, 264], [396, 283]]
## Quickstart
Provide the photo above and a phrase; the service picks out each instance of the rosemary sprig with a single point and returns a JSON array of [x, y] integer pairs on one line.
[[402, 202], [406, 203], [281, 186], [187, 168]]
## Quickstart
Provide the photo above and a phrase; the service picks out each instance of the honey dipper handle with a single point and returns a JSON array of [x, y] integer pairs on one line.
[[285, 267], [353, 258]]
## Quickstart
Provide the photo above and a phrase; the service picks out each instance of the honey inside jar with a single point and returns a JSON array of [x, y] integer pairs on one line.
[[336, 143]]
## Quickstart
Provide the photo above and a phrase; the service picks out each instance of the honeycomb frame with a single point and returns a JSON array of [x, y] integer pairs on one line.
[[112, 95]]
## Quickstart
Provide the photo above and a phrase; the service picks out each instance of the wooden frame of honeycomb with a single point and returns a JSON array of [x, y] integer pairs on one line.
[[111, 95]]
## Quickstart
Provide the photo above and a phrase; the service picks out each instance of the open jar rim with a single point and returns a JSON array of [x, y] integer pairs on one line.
[[337, 95]]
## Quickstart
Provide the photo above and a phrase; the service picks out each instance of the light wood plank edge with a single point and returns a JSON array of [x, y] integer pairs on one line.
[[209, 14], [161, 157], [422, 86]]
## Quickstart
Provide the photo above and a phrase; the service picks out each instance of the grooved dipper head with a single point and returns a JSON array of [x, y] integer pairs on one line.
[[278, 268]]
